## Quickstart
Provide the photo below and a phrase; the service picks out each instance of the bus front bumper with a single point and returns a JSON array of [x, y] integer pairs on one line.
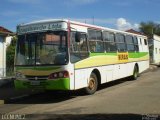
[[56, 84]]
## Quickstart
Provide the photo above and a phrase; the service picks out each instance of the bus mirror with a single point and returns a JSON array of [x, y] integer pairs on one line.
[[78, 37]]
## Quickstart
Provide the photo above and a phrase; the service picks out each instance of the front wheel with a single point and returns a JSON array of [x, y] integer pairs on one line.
[[92, 84]]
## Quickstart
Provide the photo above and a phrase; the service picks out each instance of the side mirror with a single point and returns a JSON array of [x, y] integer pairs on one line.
[[78, 37]]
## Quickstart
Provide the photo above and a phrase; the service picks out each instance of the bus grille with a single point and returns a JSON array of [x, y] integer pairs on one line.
[[37, 77]]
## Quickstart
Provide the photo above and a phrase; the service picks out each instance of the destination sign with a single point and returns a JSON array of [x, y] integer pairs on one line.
[[40, 27]]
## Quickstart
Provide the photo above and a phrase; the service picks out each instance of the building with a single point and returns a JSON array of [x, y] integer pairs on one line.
[[154, 49], [5, 39]]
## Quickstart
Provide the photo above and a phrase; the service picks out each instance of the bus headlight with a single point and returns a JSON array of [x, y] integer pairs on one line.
[[20, 75]]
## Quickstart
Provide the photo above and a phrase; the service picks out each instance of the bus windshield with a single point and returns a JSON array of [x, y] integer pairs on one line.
[[46, 48]]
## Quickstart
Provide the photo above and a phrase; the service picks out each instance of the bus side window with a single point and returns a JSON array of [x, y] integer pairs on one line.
[[95, 41], [83, 43], [120, 42], [136, 46], [130, 43], [109, 41], [78, 50]]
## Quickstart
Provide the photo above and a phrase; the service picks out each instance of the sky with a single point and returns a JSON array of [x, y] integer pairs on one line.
[[116, 14]]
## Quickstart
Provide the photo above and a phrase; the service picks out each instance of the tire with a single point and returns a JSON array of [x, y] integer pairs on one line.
[[92, 85], [135, 73]]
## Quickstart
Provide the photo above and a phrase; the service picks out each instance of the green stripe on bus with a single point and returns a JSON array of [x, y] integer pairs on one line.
[[99, 54], [131, 54], [137, 54]]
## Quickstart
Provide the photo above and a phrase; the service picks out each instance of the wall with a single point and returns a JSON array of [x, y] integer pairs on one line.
[[156, 49], [2, 57]]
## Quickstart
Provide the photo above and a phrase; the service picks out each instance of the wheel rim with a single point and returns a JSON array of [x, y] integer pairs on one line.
[[91, 84]]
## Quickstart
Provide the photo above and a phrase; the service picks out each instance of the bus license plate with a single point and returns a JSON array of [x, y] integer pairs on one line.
[[35, 82]]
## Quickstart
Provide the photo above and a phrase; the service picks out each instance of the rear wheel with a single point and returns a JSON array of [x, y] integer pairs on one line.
[[92, 84], [135, 73]]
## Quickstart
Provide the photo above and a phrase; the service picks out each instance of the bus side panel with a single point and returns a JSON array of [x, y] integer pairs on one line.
[[130, 68], [120, 71], [123, 70], [141, 43], [80, 78], [109, 73], [116, 72], [70, 68], [103, 73]]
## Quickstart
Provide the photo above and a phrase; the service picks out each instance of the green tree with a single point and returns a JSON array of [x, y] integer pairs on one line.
[[10, 53], [150, 28]]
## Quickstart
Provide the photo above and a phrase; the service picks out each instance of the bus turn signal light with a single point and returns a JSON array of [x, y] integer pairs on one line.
[[56, 75]]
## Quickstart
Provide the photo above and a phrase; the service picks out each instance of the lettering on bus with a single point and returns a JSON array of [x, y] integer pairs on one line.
[[122, 56], [39, 27]]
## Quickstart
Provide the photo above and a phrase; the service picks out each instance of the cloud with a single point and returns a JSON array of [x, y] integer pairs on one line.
[[123, 24]]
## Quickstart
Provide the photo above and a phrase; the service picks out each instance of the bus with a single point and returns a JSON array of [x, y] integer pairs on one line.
[[61, 54]]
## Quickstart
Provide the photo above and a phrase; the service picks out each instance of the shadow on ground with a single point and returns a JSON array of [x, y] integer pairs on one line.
[[12, 96]]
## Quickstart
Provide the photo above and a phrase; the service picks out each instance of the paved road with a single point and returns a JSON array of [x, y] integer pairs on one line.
[[122, 99]]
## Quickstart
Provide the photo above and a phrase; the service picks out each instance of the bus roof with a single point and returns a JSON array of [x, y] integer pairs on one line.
[[43, 21], [80, 24]]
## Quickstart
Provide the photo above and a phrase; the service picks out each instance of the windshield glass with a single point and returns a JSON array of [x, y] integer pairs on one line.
[[42, 48]]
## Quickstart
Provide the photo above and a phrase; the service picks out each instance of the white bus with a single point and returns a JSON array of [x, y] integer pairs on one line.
[[69, 55]]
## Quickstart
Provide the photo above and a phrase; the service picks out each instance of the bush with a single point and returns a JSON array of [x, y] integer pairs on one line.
[[10, 54]]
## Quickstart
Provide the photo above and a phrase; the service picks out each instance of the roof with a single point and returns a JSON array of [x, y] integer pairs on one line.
[[5, 31], [135, 32]]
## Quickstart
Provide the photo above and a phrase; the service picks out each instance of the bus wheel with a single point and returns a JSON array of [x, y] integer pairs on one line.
[[92, 85], [135, 73]]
